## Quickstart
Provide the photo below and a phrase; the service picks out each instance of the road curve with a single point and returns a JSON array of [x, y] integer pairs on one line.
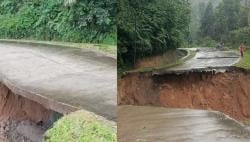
[[154, 124], [206, 59], [61, 79]]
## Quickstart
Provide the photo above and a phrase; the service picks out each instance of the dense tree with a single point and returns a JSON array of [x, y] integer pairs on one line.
[[240, 35], [207, 21], [244, 19], [69, 20], [147, 27], [226, 20]]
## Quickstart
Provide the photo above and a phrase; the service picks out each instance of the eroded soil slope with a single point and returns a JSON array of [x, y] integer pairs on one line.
[[21, 119], [227, 92]]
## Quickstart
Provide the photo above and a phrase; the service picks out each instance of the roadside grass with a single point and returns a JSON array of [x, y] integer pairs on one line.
[[247, 122], [245, 61], [108, 48], [81, 127], [111, 39]]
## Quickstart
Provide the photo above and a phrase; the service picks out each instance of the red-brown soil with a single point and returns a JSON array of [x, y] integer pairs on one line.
[[227, 92], [19, 108], [137, 89], [20, 118]]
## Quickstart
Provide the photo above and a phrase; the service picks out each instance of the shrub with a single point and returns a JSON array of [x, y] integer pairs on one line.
[[83, 21]]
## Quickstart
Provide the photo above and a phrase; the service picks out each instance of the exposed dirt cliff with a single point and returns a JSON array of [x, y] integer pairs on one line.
[[227, 92], [20, 118]]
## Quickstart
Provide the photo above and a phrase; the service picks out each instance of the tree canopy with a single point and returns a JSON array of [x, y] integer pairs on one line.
[[147, 27], [226, 20], [207, 21]]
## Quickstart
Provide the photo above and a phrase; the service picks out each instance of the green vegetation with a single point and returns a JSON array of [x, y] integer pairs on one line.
[[247, 122], [148, 28], [81, 127], [225, 21], [241, 34], [71, 21], [245, 61]]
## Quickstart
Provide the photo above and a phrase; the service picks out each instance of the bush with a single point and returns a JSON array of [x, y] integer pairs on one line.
[[240, 35], [83, 21], [207, 42]]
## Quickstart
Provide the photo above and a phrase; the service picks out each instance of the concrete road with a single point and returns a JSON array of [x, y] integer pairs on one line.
[[206, 59], [62, 79], [153, 124]]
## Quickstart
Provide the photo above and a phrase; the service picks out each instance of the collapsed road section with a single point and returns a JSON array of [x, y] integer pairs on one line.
[[40, 83], [207, 81], [212, 97]]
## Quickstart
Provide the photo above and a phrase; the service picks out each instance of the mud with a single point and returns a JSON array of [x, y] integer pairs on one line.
[[227, 92], [22, 120]]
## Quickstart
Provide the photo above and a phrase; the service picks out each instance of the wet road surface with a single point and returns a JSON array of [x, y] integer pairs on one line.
[[62, 79], [153, 124], [206, 59]]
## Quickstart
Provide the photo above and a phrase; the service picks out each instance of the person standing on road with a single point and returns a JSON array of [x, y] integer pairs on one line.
[[242, 49]]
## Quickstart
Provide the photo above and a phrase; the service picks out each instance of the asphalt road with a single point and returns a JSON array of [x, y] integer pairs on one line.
[[62, 79], [205, 59], [154, 124]]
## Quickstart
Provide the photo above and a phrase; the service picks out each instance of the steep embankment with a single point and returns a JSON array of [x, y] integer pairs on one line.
[[227, 92], [22, 119], [17, 107]]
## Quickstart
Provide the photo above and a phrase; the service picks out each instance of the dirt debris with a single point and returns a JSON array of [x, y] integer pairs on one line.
[[20, 131]]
